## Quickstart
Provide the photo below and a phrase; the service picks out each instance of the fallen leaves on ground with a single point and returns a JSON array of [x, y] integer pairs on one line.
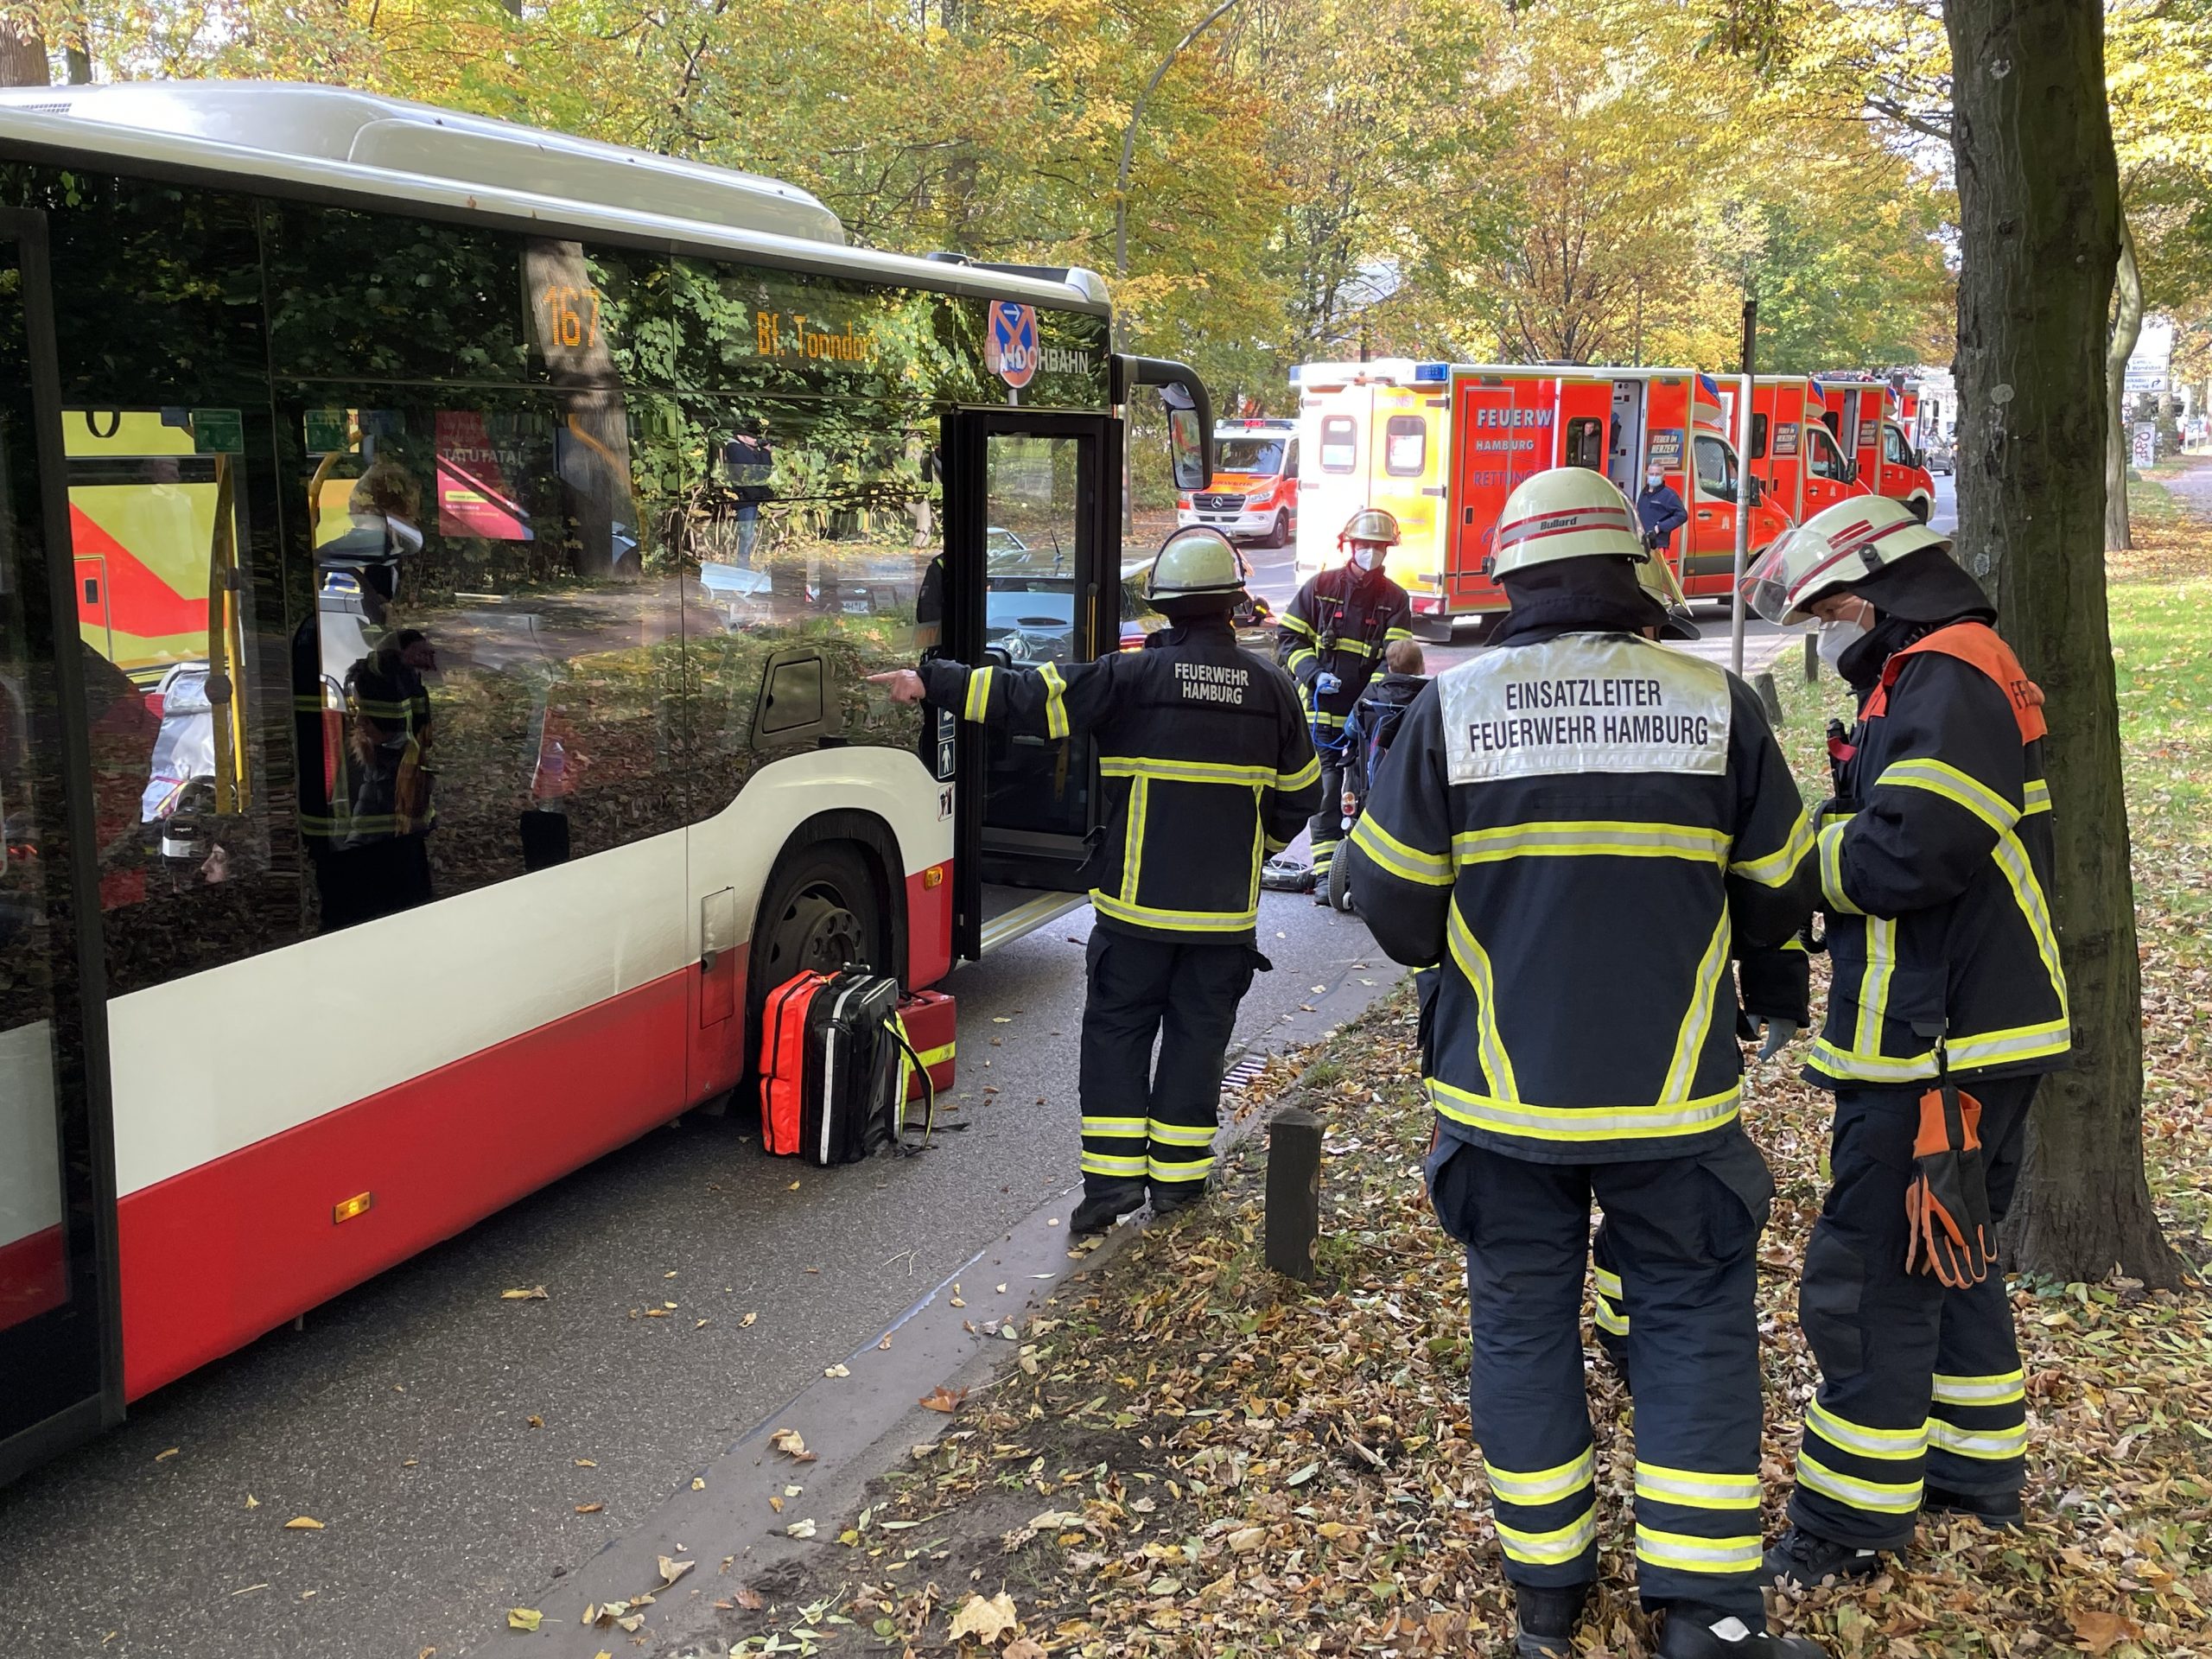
[[791, 1444], [303, 1523], [524, 1619], [671, 1570], [944, 1399], [984, 1618], [535, 1293]]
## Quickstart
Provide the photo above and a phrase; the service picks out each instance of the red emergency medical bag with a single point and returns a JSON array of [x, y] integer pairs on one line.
[[835, 1064]]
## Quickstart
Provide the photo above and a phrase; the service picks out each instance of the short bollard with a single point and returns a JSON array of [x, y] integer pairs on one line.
[[1294, 1191], [1812, 656]]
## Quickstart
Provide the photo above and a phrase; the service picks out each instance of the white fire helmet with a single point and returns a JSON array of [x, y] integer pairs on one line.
[[1566, 513], [1833, 548]]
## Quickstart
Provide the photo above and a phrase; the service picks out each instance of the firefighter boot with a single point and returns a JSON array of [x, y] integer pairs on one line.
[[1547, 1615], [1099, 1210], [1693, 1633], [1807, 1559], [2000, 1512]]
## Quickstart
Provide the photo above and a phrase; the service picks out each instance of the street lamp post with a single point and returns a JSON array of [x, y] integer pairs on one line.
[[1121, 211]]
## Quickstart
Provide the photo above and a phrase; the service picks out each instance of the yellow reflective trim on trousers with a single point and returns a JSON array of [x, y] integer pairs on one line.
[[930, 1057], [1173, 921], [1874, 984], [1308, 774], [1775, 869], [1608, 1319], [1100, 1163], [1884, 1497], [1831, 852], [1056, 708], [1990, 1444], [1407, 863], [1181, 1135], [1891, 1444], [1694, 1489], [1590, 838], [1188, 771], [1550, 1549], [2001, 1390], [1474, 963], [1580, 1123], [2019, 875], [1122, 1129], [1543, 1485], [1191, 1169], [1609, 1283], [978, 701], [1685, 1554], [2036, 796], [1697, 1021], [1133, 839], [1954, 786]]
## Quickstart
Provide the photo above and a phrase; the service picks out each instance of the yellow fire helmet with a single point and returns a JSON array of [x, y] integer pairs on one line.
[[1833, 548], [1370, 524], [1567, 512], [1196, 563]]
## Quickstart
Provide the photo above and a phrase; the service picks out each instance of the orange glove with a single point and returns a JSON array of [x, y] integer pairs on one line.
[[1949, 1232]]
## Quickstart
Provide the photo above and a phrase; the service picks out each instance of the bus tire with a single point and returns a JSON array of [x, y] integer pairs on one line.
[[819, 911]]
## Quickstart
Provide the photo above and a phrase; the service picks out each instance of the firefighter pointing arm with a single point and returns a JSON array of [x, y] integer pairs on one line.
[[1947, 1004], [1331, 638], [1579, 806], [1207, 767]]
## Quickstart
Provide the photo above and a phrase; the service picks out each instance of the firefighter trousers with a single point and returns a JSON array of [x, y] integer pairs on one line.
[[1684, 1232], [1326, 828], [1918, 1384], [1144, 1124]]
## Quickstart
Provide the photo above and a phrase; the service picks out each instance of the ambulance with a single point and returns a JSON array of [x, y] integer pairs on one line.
[[1441, 445], [1794, 456], [1253, 496], [1868, 416]]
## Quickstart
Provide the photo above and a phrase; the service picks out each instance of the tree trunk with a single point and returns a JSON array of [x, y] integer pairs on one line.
[[2040, 241], [23, 56], [2126, 329]]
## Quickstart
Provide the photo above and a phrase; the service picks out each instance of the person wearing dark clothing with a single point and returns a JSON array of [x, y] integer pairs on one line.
[[1948, 1004], [1373, 724], [1661, 512], [1331, 638], [1207, 768], [1575, 826]]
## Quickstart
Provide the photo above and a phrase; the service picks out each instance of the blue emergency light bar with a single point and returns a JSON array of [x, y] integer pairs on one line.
[[1436, 371]]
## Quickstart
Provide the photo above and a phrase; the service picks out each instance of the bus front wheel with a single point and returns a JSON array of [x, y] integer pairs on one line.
[[819, 914]]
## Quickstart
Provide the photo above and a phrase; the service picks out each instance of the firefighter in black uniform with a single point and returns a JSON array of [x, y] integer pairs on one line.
[[1579, 806], [1207, 768], [1331, 639], [1948, 1003]]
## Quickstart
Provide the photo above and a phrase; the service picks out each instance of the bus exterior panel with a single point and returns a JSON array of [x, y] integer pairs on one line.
[[511, 565]]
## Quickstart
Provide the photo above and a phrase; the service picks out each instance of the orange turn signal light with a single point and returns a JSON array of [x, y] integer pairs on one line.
[[934, 876], [360, 1205]]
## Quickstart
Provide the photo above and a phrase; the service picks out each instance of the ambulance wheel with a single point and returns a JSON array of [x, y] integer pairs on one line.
[[1278, 532], [819, 914], [1919, 506], [1340, 879]]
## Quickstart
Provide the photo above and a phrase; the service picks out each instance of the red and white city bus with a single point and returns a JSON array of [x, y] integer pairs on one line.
[[439, 564]]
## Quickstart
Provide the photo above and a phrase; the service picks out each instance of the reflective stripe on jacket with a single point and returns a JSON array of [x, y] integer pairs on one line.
[[1339, 623], [1205, 761], [1939, 922], [1577, 830]]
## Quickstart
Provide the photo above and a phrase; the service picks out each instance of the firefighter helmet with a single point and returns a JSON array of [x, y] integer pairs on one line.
[[1657, 578], [1566, 513], [1832, 550], [1370, 524], [1196, 563]]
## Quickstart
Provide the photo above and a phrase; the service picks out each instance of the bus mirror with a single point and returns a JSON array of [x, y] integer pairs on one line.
[[1188, 447]]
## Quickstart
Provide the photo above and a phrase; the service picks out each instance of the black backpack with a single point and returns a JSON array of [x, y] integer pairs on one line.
[[835, 1066]]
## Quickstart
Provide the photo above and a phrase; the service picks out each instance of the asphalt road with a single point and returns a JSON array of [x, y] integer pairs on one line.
[[403, 1414]]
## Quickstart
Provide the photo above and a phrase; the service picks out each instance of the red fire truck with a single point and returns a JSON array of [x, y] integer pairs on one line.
[[1489, 426]]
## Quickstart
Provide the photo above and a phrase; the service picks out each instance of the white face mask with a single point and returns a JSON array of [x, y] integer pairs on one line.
[[1364, 555], [1840, 635], [1653, 480]]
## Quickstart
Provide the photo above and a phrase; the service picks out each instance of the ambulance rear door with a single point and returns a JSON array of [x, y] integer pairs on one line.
[[1334, 422], [1407, 458]]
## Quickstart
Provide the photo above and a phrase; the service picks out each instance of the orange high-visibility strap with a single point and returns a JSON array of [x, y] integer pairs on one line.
[[1978, 645]]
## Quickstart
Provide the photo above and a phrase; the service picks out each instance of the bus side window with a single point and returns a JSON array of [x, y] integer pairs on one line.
[[1585, 442]]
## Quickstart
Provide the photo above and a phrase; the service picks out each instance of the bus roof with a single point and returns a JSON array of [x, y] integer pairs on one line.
[[328, 140]]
